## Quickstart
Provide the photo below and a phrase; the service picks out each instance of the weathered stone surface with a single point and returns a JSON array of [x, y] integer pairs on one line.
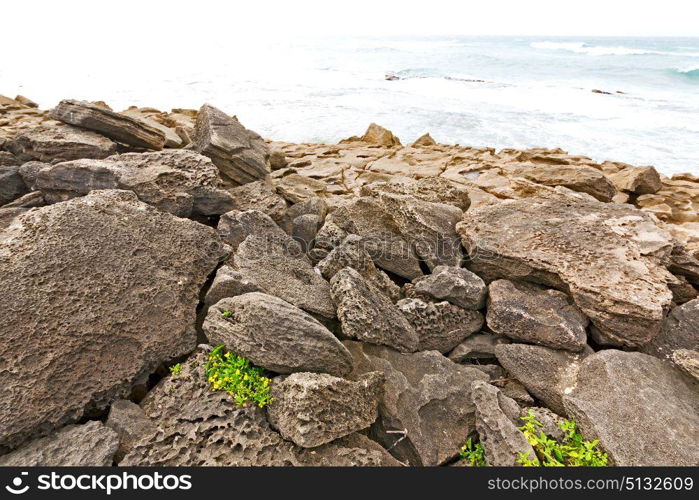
[[90, 444], [682, 290], [277, 160], [546, 373], [368, 315], [146, 115], [457, 285], [90, 282], [304, 229], [637, 180], [60, 143], [440, 326], [426, 411], [550, 422], [229, 282], [424, 140], [235, 226], [275, 335], [29, 171], [260, 196], [379, 136], [687, 361], [131, 424], [476, 347], [121, 128], [532, 313], [578, 178], [240, 154], [680, 330], [7, 159], [642, 409], [11, 185], [296, 188], [610, 258], [496, 423], [312, 409], [430, 189], [177, 181]]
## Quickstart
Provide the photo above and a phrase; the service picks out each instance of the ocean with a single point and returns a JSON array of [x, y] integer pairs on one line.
[[481, 91]]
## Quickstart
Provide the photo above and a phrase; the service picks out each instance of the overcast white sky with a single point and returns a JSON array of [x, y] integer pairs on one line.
[[175, 22]]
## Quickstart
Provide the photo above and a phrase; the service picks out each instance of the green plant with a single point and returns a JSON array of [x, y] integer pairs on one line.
[[474, 453], [235, 375], [176, 369], [572, 450], [227, 313]]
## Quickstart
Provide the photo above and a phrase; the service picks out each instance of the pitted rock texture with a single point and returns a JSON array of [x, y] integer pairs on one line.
[[102, 290], [643, 410], [86, 445], [431, 189], [687, 361], [117, 126], [131, 424], [275, 335], [228, 283], [312, 409], [60, 143], [610, 258], [426, 411], [260, 195], [459, 286], [577, 178]]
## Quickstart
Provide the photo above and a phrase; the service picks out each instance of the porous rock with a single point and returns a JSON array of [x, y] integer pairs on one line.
[[457, 285], [60, 143]]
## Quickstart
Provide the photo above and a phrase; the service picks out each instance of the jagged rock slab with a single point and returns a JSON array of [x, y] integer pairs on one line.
[[177, 181], [368, 315], [577, 178], [60, 143], [431, 189], [610, 258], [121, 128], [275, 335], [131, 424], [680, 330], [457, 285], [90, 444], [240, 154], [643, 410], [426, 411], [312, 409], [90, 282], [440, 326], [235, 226], [11, 185], [532, 313], [228, 282], [637, 180], [260, 196]]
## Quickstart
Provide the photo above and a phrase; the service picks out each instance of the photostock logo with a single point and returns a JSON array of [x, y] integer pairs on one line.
[[16, 487]]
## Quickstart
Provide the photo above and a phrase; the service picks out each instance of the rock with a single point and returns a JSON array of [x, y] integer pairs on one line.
[[26, 101], [277, 160], [240, 154], [311, 206], [476, 347], [304, 229], [355, 450], [550, 422], [88, 445], [496, 419], [131, 424], [426, 411], [235, 226], [296, 188], [532, 313], [637, 180], [11, 185], [29, 172], [424, 140], [440, 326], [351, 253], [515, 390], [687, 361], [312, 409], [577, 178], [116, 126], [680, 330], [682, 290], [29, 200], [90, 281], [176, 181], [260, 196], [457, 285], [228, 282], [60, 143], [380, 136], [546, 373], [643, 411], [494, 372], [368, 315], [609, 258], [430, 189], [172, 138], [275, 335], [7, 159]]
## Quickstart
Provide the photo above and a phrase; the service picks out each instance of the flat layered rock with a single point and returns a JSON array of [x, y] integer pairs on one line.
[[577, 178], [275, 335], [116, 126], [91, 281], [643, 410], [60, 143], [240, 154], [609, 258], [457, 285]]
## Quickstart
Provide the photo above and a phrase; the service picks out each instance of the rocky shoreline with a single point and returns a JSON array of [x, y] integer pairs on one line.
[[403, 300]]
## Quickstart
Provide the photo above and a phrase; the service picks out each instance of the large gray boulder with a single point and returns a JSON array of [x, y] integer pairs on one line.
[[680, 330], [426, 411], [11, 185], [611, 258], [457, 285], [275, 335], [117, 126], [643, 410], [240, 154], [89, 282], [53, 144], [131, 424]]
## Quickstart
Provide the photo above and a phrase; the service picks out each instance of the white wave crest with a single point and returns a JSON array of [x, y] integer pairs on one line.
[[583, 48]]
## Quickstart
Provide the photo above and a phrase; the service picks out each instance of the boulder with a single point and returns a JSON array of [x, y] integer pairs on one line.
[[577, 178], [296, 188], [131, 424], [457, 285], [235, 226], [312, 409], [60, 143], [368, 315], [424, 140], [532, 313], [440, 326], [29, 171], [643, 411], [87, 445], [546, 373], [89, 282], [680, 330], [116, 126], [260, 196], [240, 154], [11, 185], [277, 159], [687, 361], [177, 181], [304, 229], [380, 136], [7, 159], [477, 347], [426, 411], [430, 189], [609, 258], [550, 422], [228, 282], [637, 180], [275, 335]]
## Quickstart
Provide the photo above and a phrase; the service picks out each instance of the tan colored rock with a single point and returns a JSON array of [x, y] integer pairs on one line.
[[637, 180], [380, 136], [424, 140]]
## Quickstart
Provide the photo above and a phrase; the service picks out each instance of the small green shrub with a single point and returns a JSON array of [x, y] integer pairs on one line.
[[226, 314], [474, 453], [572, 451], [238, 377], [176, 369]]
